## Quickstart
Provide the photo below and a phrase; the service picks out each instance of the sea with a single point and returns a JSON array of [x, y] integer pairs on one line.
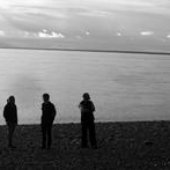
[[123, 87]]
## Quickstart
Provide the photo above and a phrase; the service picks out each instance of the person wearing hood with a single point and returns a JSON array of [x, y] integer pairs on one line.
[[10, 115]]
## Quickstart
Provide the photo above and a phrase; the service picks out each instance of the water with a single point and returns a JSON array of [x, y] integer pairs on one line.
[[124, 87]]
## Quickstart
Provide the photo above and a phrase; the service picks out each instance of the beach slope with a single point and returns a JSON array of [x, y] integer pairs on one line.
[[122, 145]]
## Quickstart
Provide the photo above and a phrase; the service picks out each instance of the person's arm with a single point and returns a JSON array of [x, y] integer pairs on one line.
[[16, 116], [93, 107], [5, 113], [81, 107], [55, 111], [42, 107]]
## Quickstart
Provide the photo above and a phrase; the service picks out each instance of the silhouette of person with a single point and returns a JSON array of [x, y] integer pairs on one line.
[[10, 115], [87, 121], [48, 115]]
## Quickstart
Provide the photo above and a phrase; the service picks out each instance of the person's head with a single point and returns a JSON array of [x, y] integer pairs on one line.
[[86, 96], [11, 99], [46, 97]]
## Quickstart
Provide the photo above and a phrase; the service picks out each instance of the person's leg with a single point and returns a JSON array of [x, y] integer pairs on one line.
[[43, 128], [9, 135], [84, 135], [11, 129], [92, 134], [49, 135]]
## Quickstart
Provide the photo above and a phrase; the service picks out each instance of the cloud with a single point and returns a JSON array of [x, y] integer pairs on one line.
[[119, 34], [46, 34], [6, 4], [43, 34], [27, 34], [101, 17], [2, 33], [140, 3], [168, 36], [87, 33], [146, 33], [97, 13]]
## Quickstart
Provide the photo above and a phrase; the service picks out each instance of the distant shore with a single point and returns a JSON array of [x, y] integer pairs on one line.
[[144, 52], [122, 145]]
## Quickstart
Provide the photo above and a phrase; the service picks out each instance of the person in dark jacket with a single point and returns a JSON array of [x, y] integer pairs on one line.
[[10, 115], [87, 121], [48, 115]]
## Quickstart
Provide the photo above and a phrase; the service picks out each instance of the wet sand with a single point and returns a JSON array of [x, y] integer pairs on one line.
[[122, 146]]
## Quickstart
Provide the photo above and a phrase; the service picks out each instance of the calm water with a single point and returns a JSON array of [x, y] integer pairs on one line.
[[122, 86]]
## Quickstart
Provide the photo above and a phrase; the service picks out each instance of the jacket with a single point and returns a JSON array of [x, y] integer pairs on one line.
[[48, 113], [10, 113]]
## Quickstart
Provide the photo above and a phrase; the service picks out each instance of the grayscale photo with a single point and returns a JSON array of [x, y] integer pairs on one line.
[[84, 84]]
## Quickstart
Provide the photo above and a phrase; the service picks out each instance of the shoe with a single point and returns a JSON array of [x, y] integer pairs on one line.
[[85, 146], [94, 147], [12, 146], [49, 147], [43, 147]]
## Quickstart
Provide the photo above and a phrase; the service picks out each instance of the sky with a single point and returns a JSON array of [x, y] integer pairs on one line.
[[110, 24]]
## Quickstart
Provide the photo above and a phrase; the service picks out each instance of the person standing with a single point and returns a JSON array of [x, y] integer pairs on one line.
[[87, 122], [10, 115], [48, 115]]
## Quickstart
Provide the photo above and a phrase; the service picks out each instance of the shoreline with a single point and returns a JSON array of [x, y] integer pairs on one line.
[[89, 50], [98, 122]]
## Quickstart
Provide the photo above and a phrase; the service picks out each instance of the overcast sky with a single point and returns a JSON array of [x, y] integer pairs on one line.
[[80, 19]]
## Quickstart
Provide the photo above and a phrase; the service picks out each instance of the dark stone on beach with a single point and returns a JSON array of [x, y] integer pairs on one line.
[[75, 142], [148, 143]]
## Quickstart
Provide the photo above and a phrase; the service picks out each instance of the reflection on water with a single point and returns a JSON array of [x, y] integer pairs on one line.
[[123, 86]]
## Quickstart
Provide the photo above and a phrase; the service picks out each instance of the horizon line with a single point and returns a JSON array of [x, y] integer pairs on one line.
[[90, 50]]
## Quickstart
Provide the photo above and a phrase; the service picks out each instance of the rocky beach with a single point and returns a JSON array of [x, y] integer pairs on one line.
[[121, 146]]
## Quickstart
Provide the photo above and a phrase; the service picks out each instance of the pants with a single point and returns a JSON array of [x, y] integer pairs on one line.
[[11, 129], [46, 133], [88, 128]]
